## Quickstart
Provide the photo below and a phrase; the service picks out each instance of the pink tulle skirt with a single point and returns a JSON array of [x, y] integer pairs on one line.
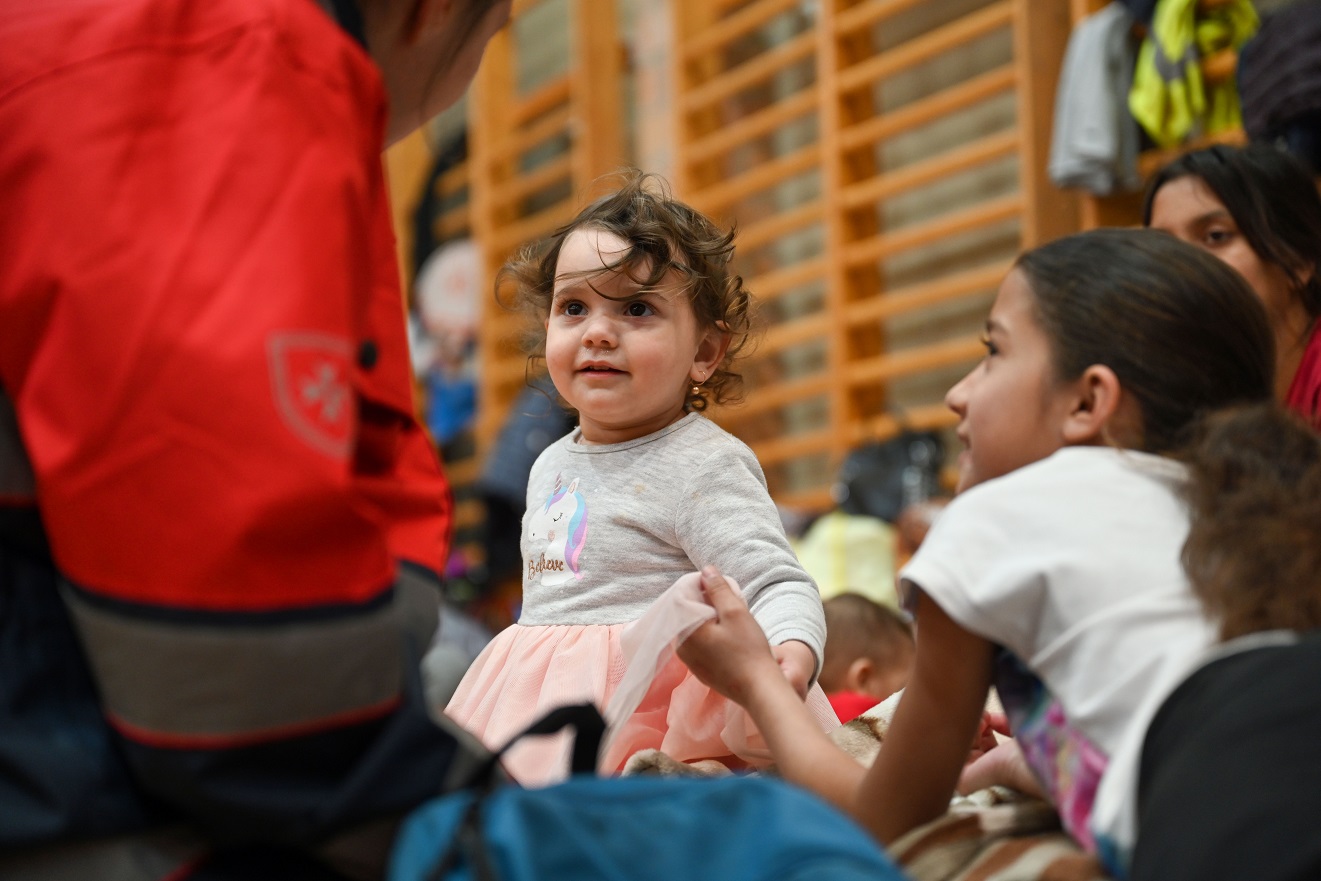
[[528, 670]]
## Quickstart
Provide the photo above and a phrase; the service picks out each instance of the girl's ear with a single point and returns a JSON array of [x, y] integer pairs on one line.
[[1099, 411], [711, 349]]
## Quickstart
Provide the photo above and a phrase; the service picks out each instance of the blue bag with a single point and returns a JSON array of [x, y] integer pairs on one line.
[[635, 829]]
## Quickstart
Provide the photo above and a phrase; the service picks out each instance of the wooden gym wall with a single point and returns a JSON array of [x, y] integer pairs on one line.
[[885, 161], [539, 135]]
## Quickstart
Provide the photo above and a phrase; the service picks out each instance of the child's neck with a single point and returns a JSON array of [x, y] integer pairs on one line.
[[590, 434]]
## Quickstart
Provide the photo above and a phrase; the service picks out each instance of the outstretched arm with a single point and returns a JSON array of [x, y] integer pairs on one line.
[[732, 656], [926, 745]]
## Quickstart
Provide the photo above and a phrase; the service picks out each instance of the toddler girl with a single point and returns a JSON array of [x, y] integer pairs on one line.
[[1055, 573], [641, 321]]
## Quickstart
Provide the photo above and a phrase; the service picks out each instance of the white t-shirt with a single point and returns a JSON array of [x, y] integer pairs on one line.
[[1071, 564]]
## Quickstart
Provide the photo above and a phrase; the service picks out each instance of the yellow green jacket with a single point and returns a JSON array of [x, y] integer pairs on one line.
[[1169, 97]]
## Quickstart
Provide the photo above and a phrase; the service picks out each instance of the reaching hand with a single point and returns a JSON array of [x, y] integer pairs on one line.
[[986, 740], [797, 663], [1002, 766], [730, 654]]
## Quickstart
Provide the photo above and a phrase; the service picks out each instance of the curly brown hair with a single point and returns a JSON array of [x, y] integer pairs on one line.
[[1253, 552], [665, 236]]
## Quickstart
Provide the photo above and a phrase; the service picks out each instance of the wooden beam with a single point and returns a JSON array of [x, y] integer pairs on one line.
[[777, 226], [886, 425], [901, 301], [926, 110], [792, 333], [919, 174], [1041, 32], [786, 392], [816, 500], [598, 129], [918, 359], [453, 223], [938, 42], [514, 190], [763, 67], [713, 200], [864, 15], [775, 283], [531, 228], [516, 142], [756, 125], [549, 96], [717, 36], [919, 234], [796, 446]]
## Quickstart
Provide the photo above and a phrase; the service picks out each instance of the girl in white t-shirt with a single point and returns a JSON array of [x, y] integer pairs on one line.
[[1055, 573]]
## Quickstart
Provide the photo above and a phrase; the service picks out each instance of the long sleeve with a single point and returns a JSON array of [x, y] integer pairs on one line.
[[726, 518]]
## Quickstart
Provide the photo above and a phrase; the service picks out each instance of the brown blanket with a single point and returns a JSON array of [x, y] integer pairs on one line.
[[992, 835]]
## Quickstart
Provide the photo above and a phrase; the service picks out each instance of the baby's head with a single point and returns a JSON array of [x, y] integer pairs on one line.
[[869, 647], [1120, 337], [1254, 547], [643, 259]]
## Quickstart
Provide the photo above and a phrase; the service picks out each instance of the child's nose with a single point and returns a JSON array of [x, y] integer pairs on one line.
[[599, 331], [957, 397]]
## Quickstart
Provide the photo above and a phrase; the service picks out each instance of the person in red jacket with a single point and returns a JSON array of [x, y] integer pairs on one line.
[[220, 522]]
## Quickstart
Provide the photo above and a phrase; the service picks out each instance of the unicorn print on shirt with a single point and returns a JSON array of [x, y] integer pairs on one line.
[[562, 525]]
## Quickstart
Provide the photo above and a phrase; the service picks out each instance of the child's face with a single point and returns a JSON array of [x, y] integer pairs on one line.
[[1011, 408], [624, 364], [1188, 209]]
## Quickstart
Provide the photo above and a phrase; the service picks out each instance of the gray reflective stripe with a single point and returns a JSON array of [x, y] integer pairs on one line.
[[1169, 69], [146, 856], [172, 680], [15, 470]]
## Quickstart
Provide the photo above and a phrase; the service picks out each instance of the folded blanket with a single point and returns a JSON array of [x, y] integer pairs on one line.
[[991, 835]]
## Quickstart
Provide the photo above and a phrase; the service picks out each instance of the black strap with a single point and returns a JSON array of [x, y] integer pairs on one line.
[[469, 843], [589, 729]]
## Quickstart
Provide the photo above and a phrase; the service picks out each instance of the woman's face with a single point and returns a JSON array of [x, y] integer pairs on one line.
[[1187, 209]]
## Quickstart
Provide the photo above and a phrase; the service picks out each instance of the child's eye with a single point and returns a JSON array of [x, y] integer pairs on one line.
[[1217, 236], [573, 307], [990, 346], [638, 309]]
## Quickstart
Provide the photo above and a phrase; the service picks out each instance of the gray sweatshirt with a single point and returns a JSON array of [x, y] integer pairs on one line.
[[609, 527]]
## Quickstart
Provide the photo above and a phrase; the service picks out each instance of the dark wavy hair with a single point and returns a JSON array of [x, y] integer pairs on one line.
[[665, 236], [1274, 202], [1253, 552], [1182, 331]]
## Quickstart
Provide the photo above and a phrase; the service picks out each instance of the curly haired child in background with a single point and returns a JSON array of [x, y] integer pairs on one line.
[[1055, 572], [639, 320], [1230, 783]]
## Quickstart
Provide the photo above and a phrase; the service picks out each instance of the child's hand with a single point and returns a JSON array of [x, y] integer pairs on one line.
[[729, 654], [798, 664], [1002, 766], [986, 740]]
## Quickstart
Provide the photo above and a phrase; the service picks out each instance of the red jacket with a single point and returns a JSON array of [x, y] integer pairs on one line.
[[202, 339]]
